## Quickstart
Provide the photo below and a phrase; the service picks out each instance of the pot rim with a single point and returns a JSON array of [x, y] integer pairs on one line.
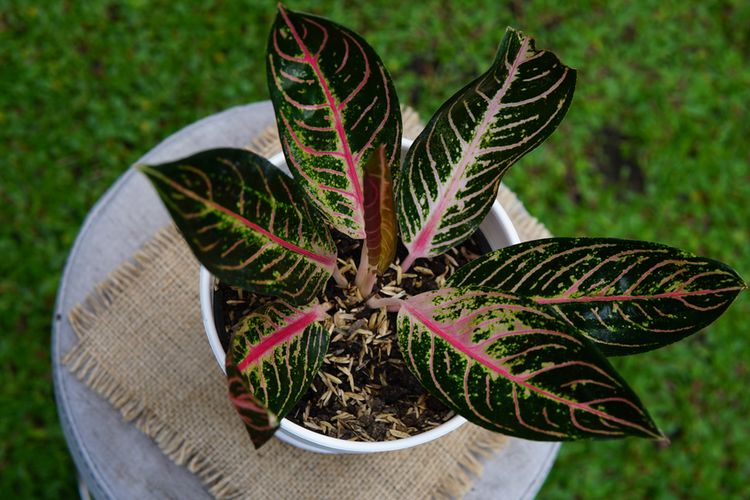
[[296, 434]]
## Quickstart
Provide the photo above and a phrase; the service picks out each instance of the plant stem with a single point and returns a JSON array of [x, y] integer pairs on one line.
[[366, 288], [408, 261], [365, 279], [392, 304], [339, 278]]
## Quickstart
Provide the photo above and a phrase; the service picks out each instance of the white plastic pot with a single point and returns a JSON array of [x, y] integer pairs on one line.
[[499, 232]]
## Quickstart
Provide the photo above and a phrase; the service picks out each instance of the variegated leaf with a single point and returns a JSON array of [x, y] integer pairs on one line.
[[247, 222], [334, 103], [274, 355], [505, 363], [627, 296], [452, 172], [380, 219]]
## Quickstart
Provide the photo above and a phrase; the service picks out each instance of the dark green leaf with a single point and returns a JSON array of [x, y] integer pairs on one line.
[[335, 103], [627, 296], [507, 364], [247, 222], [274, 355], [452, 172]]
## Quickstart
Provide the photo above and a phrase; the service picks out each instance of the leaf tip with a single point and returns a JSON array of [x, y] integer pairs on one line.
[[509, 30], [284, 13], [652, 431], [740, 285], [259, 439], [663, 441], [743, 283], [142, 168], [150, 171]]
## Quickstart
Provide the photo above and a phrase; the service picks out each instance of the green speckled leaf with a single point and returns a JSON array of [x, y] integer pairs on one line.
[[334, 103], [507, 364], [627, 296], [452, 172], [274, 354], [247, 222]]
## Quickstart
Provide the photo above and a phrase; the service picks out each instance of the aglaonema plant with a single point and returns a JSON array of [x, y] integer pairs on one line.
[[519, 339]]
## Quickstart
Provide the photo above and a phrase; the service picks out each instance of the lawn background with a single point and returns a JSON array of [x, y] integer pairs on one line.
[[655, 146]]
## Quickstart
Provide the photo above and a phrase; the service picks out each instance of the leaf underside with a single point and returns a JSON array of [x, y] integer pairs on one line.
[[380, 219], [247, 222], [452, 172], [334, 103], [273, 358], [503, 362], [627, 296]]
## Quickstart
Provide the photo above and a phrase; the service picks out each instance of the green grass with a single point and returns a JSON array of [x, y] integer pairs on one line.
[[654, 147]]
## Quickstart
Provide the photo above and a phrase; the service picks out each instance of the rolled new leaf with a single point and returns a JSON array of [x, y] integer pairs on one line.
[[507, 364], [273, 357], [626, 296], [247, 222], [380, 219], [334, 103], [451, 174]]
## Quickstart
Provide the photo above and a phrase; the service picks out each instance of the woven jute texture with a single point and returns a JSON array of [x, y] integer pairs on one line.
[[141, 345]]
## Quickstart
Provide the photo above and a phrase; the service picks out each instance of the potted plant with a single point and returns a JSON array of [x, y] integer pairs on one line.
[[515, 340], [498, 231]]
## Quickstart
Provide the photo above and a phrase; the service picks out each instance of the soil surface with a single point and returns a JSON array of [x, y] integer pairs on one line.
[[364, 391]]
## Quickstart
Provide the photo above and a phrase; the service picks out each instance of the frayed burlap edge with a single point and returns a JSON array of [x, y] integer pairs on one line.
[[456, 484], [86, 368]]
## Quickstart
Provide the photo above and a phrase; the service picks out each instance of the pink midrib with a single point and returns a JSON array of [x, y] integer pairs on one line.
[[282, 335], [351, 170], [380, 187], [490, 363], [327, 262], [624, 298], [424, 239]]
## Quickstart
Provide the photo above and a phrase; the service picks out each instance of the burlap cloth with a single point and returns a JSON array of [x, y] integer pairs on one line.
[[141, 345]]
